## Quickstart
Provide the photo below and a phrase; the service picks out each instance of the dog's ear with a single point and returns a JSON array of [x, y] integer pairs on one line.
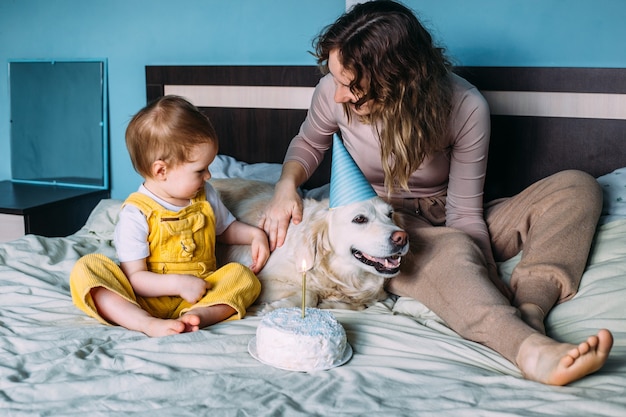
[[315, 243]]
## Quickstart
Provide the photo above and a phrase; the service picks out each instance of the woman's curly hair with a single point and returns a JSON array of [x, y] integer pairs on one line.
[[401, 73]]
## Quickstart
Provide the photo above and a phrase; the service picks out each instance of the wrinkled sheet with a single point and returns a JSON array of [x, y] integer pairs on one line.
[[56, 361]]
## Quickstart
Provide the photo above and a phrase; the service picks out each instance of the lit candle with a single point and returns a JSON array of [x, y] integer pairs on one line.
[[303, 287]]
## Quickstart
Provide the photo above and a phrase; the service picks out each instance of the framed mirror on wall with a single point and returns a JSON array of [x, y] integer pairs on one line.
[[59, 122]]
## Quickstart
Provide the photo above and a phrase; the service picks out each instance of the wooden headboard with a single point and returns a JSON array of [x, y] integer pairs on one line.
[[543, 119], [254, 123]]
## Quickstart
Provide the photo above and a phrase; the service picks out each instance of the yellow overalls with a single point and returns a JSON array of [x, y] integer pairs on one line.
[[180, 242]]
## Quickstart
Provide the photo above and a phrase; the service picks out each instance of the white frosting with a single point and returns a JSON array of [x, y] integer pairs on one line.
[[286, 340]]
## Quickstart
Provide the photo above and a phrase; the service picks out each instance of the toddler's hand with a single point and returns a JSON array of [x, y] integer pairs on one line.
[[192, 288], [260, 252]]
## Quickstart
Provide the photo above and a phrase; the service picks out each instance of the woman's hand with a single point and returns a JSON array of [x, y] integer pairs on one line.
[[285, 207]]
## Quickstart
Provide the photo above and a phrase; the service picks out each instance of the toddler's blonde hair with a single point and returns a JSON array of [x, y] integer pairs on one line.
[[167, 129]]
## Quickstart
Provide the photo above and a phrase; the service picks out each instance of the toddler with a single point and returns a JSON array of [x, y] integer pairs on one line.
[[167, 281]]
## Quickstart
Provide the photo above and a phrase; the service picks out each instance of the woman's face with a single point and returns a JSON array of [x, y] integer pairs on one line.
[[343, 78]]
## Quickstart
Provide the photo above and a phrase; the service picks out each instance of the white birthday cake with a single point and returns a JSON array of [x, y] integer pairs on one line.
[[286, 340]]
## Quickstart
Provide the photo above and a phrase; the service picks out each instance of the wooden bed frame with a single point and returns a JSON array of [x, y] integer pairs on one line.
[[543, 119]]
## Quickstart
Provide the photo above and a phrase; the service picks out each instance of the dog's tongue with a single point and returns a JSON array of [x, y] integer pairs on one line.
[[389, 263]]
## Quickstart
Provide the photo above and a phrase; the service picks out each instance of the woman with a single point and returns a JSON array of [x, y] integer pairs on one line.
[[420, 135]]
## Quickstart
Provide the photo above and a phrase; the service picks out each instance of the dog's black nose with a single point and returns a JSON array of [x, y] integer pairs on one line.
[[399, 238]]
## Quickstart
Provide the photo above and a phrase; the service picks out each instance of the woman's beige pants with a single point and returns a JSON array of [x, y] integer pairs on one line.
[[553, 221]]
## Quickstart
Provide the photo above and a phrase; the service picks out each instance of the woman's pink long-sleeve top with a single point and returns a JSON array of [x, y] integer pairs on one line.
[[459, 170]]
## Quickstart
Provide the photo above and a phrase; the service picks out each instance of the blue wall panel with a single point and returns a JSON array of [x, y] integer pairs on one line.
[[132, 34]]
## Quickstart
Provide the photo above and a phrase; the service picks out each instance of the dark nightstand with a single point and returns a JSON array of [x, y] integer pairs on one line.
[[44, 210]]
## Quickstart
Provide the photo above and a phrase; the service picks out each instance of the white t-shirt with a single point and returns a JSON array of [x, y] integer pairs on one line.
[[131, 230]]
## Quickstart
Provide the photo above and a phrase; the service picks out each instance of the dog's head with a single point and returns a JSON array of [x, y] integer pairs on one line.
[[363, 236]]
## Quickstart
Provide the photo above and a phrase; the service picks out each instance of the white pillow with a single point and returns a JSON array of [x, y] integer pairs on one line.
[[614, 192], [101, 221], [225, 166]]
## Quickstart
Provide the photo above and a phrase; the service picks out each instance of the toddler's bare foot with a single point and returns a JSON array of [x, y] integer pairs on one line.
[[545, 360], [209, 315], [166, 327], [155, 327], [191, 321], [534, 316]]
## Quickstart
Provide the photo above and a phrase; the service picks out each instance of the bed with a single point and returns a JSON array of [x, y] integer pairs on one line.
[[54, 360]]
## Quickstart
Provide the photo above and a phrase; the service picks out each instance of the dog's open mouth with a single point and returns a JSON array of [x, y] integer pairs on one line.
[[388, 265]]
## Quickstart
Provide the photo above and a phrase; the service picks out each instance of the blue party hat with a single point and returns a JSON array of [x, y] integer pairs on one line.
[[347, 183]]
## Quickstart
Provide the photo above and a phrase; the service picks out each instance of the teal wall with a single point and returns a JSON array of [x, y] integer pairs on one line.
[[135, 33]]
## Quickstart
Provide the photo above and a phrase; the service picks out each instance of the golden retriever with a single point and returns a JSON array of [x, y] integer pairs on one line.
[[348, 251]]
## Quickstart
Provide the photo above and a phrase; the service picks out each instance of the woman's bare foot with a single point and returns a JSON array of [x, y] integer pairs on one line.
[[545, 360], [534, 316]]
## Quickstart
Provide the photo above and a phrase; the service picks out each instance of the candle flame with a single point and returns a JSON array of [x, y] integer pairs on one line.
[[304, 265]]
